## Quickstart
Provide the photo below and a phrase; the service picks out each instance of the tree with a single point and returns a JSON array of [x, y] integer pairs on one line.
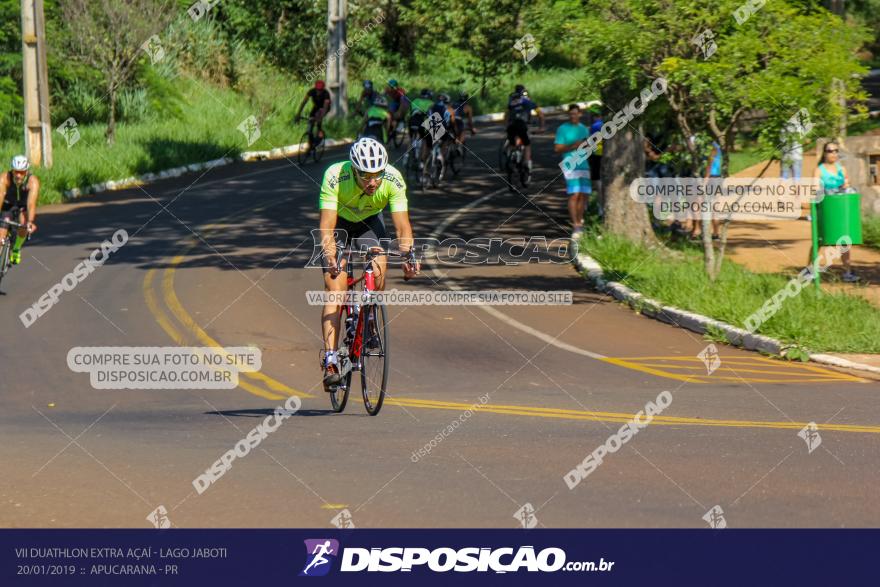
[[484, 31], [108, 35], [11, 103], [623, 161], [722, 62], [288, 32]]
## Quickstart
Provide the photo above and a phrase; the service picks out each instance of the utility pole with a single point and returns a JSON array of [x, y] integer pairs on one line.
[[37, 128], [337, 68]]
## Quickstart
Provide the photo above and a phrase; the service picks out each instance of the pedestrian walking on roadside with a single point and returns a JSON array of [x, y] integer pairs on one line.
[[569, 136], [792, 153]]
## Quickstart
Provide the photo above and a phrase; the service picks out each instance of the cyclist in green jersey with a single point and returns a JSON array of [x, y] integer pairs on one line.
[[421, 106], [353, 195], [377, 122]]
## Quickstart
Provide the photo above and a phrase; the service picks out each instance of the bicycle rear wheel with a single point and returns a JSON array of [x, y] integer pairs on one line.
[[304, 148], [510, 170], [456, 159], [398, 136], [525, 176], [436, 170], [374, 358]]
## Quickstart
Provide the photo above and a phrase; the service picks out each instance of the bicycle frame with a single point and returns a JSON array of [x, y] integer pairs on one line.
[[369, 279]]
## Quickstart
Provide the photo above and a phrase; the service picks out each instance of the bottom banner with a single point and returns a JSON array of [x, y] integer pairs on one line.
[[436, 557]]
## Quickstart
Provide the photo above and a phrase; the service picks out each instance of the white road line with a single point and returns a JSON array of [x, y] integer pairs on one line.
[[489, 309]]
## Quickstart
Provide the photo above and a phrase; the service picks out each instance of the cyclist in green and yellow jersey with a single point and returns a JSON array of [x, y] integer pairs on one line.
[[354, 194], [377, 122]]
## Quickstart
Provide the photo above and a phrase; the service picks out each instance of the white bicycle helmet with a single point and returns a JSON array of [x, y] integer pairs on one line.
[[368, 155], [20, 163]]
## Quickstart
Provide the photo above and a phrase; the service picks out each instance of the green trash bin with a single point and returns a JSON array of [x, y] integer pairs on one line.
[[839, 215]]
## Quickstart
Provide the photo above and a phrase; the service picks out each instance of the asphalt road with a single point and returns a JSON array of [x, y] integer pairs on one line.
[[218, 259]]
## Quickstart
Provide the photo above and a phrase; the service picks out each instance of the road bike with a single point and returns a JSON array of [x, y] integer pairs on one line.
[[6, 246], [514, 164], [398, 134], [363, 338], [456, 157], [314, 144], [411, 160], [435, 167]]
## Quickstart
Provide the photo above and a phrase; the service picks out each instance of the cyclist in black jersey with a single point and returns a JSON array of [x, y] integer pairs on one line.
[[19, 190], [320, 105]]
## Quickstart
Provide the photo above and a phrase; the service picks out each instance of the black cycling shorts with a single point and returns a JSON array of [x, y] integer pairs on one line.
[[12, 213], [362, 235], [518, 128], [415, 125], [376, 129], [459, 127]]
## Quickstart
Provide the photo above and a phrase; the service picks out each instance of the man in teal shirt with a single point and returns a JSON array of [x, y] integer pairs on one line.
[[569, 137]]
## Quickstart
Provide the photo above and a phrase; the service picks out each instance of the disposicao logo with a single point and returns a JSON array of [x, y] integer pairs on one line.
[[320, 555]]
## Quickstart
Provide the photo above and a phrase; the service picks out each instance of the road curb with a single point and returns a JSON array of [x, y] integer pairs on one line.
[[698, 323], [248, 156]]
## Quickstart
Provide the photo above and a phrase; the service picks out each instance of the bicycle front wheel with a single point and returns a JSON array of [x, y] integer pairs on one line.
[[4, 258], [374, 358], [339, 393], [304, 148]]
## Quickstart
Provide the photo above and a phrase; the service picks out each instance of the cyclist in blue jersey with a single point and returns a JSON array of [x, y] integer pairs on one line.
[[368, 96], [517, 117], [442, 121]]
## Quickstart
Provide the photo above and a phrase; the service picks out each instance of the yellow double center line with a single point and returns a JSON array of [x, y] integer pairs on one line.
[[156, 294]]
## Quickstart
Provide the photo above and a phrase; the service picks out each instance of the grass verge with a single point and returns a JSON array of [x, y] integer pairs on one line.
[[871, 231], [826, 322], [207, 128]]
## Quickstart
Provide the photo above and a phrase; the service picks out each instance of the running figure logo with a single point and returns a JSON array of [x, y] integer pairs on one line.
[[320, 554]]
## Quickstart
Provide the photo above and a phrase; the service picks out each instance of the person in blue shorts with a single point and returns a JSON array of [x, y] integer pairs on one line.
[[578, 185]]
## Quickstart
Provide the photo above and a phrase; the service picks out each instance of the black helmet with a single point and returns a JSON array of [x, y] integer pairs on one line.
[[463, 96], [519, 89], [443, 98], [368, 84], [426, 93]]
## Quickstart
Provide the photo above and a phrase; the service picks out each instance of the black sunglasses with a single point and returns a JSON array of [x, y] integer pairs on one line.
[[831, 150]]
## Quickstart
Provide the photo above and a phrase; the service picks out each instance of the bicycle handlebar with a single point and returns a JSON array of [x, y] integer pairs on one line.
[[371, 254], [11, 223]]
